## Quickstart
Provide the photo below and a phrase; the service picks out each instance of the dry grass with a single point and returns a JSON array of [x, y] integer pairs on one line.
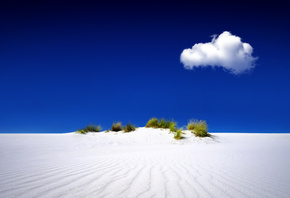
[[129, 127], [178, 134], [116, 126], [89, 128], [153, 123], [161, 123], [198, 127]]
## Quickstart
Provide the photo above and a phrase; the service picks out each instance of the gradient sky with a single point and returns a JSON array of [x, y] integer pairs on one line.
[[65, 64]]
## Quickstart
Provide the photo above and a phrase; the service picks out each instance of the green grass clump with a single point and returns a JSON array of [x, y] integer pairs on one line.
[[178, 134], [116, 126], [172, 126], [162, 123], [165, 124], [89, 128], [191, 125], [129, 127], [153, 122], [199, 128], [81, 131]]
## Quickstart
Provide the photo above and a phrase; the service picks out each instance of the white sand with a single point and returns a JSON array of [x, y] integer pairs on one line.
[[144, 163]]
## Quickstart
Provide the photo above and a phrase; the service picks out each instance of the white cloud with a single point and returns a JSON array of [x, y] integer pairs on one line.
[[226, 50]]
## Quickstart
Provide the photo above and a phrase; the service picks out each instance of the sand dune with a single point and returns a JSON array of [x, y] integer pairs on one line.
[[144, 163]]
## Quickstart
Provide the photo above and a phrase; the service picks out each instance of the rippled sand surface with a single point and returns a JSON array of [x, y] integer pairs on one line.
[[144, 163]]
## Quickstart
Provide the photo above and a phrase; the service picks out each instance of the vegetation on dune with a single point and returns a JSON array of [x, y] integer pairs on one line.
[[89, 128], [178, 134], [116, 126], [81, 131], [191, 125], [172, 126], [198, 127], [129, 127], [166, 124], [153, 123], [161, 123]]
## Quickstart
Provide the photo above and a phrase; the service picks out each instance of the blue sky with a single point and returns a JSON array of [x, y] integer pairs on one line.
[[66, 64]]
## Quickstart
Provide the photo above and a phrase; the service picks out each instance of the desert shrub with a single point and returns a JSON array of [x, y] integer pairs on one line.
[[129, 127], [178, 134], [116, 126], [89, 128], [153, 122], [199, 128]]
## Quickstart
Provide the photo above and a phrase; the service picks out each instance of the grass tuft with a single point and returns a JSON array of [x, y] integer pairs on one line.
[[153, 123], [129, 127], [178, 134], [165, 124], [162, 123], [116, 126], [198, 127], [81, 131], [172, 126], [89, 128]]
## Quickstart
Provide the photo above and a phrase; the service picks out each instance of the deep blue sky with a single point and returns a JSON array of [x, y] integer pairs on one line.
[[66, 64]]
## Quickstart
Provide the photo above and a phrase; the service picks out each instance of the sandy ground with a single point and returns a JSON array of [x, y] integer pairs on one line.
[[144, 163]]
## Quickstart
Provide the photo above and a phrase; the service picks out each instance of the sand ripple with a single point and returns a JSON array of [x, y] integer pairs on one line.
[[82, 166]]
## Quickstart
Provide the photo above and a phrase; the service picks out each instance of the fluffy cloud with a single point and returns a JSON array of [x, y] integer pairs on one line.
[[225, 50]]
